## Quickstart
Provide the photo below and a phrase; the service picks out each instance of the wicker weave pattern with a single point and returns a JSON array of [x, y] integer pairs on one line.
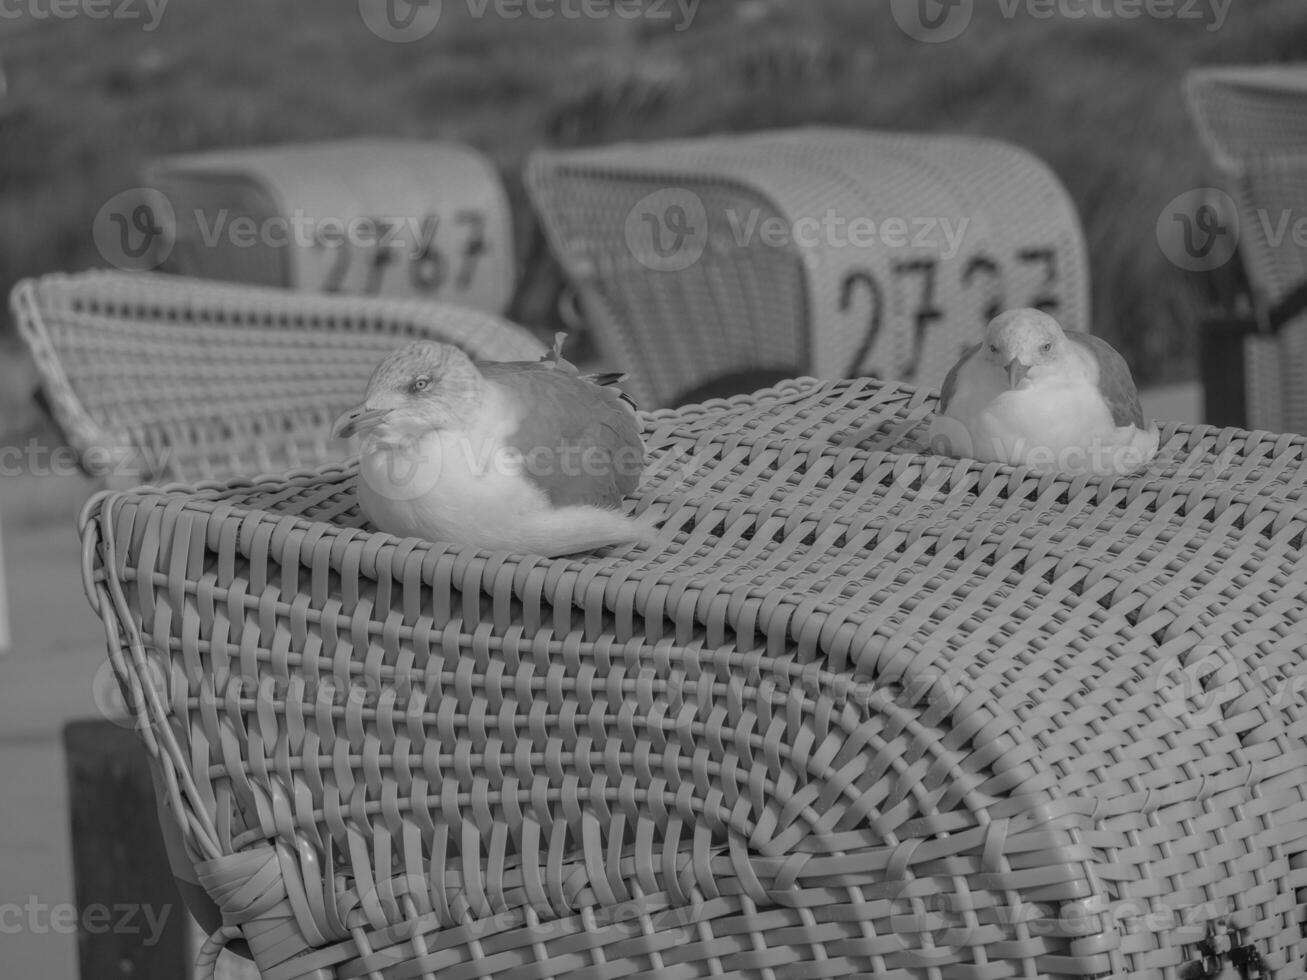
[[187, 379], [864, 711], [847, 303], [1253, 121]]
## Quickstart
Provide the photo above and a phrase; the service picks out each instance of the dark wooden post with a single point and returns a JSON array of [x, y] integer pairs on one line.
[[131, 919]]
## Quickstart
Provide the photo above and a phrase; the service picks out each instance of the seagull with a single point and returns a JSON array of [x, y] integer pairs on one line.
[[1057, 401], [521, 456]]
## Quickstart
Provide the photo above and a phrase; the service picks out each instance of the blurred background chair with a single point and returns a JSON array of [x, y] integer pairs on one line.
[[389, 217], [153, 377], [1253, 122], [714, 266]]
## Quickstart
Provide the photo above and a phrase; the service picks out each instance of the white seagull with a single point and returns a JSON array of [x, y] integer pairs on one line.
[[1054, 400], [526, 457]]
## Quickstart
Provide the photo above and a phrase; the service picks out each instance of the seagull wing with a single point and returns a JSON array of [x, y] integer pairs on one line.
[[585, 439], [1114, 379], [950, 387]]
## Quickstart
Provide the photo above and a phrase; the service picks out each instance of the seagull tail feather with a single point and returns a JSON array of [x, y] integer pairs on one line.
[[572, 530]]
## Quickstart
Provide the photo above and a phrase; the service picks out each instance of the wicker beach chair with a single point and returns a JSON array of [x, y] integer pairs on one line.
[[710, 264], [159, 378], [860, 712], [1253, 122], [154, 378]]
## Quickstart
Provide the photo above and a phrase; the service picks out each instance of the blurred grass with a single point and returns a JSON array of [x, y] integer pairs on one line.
[[89, 101]]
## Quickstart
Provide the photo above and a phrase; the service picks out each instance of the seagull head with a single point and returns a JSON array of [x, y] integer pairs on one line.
[[415, 389], [1020, 341]]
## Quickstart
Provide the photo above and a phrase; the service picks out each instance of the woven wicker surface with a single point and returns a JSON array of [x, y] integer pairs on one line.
[[861, 711], [155, 377], [1253, 122], [820, 296]]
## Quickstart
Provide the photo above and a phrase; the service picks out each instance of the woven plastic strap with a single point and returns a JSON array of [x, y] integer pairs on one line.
[[248, 888]]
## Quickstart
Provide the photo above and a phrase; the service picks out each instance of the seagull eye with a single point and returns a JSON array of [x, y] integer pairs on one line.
[[993, 348], [422, 383], [1046, 347]]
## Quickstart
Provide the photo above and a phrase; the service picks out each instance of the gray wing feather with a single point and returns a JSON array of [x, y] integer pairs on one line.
[[588, 435], [1114, 379], [950, 386]]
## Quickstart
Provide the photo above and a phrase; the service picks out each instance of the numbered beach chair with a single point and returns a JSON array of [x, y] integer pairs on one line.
[[858, 711], [403, 219], [1253, 122], [715, 265]]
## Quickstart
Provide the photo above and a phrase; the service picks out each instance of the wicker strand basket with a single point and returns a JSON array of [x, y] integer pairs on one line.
[[862, 711]]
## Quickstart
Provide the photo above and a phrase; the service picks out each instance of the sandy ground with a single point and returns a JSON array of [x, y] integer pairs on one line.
[[48, 679]]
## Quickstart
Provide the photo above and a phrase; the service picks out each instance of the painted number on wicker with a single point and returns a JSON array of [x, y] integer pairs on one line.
[[917, 283], [856, 278], [375, 245], [1046, 299]]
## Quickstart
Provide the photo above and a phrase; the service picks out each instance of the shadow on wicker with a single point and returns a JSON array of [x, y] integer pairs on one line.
[[862, 711]]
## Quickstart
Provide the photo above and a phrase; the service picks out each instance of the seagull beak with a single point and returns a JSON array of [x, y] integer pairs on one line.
[[1016, 372], [357, 420]]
